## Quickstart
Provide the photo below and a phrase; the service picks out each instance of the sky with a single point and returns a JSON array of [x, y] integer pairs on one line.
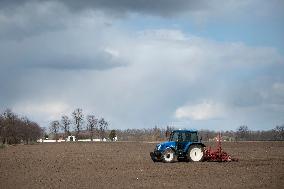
[[139, 63]]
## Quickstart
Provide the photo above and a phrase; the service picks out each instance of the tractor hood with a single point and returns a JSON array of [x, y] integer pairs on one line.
[[162, 146]]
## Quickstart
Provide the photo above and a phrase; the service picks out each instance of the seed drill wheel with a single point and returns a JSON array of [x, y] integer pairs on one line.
[[196, 153], [168, 156]]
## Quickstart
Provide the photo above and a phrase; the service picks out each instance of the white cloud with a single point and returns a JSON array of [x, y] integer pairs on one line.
[[203, 111], [162, 34], [278, 87]]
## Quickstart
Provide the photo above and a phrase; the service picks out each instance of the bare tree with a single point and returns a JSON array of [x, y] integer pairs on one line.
[[35, 131], [65, 125], [1, 128], [43, 133], [168, 131], [156, 133], [102, 127], [14, 129], [26, 129], [92, 125], [279, 132], [54, 128], [11, 133], [78, 120], [242, 133]]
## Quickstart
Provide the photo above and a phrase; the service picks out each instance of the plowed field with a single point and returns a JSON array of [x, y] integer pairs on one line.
[[128, 165]]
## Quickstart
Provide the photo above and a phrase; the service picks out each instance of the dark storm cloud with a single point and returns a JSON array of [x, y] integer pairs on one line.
[[7, 4], [157, 7], [20, 19]]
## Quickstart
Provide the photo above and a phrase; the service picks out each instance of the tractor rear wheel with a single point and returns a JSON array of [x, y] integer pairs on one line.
[[168, 156], [196, 153]]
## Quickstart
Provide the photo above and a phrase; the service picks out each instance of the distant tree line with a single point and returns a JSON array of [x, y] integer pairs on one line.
[[15, 129], [149, 134], [82, 128], [242, 133]]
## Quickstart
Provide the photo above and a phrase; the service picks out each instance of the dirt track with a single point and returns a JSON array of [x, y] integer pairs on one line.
[[128, 165]]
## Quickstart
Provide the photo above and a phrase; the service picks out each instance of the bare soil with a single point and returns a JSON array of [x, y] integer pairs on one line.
[[128, 165]]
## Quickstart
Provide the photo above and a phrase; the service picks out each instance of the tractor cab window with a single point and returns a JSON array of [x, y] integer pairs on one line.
[[177, 136], [193, 137], [184, 137], [174, 136], [188, 136]]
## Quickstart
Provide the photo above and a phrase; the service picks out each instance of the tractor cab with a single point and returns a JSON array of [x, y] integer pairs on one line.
[[183, 139], [184, 136]]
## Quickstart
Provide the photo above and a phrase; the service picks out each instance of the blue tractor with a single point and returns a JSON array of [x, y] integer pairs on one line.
[[182, 145]]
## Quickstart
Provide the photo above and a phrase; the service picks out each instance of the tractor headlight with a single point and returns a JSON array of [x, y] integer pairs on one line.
[[159, 147]]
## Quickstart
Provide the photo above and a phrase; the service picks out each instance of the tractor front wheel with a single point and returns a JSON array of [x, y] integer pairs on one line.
[[168, 156], [196, 153]]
